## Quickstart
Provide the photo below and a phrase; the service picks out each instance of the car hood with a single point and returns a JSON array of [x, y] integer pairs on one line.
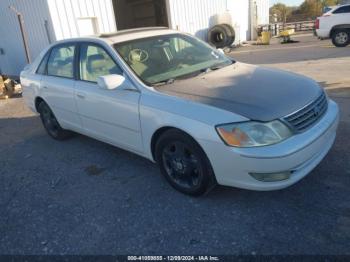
[[257, 93]]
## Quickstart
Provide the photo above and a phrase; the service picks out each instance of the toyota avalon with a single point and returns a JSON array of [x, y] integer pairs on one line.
[[205, 118]]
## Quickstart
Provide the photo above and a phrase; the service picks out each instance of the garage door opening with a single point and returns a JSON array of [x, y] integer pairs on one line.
[[140, 13]]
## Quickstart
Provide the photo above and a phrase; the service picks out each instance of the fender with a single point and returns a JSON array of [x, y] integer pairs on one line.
[[346, 26]]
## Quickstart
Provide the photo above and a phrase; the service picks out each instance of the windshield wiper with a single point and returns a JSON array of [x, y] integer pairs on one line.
[[164, 82], [192, 74], [186, 76], [219, 66]]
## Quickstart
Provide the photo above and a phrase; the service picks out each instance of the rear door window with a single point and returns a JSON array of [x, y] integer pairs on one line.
[[61, 61]]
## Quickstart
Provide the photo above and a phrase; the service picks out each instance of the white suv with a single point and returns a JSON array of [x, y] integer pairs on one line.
[[335, 24]]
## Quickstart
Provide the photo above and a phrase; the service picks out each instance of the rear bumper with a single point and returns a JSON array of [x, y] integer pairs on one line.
[[299, 154], [28, 95], [321, 33]]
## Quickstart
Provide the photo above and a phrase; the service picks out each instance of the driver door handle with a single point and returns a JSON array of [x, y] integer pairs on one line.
[[81, 95]]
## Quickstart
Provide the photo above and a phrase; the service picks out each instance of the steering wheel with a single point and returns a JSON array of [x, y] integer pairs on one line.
[[138, 55]]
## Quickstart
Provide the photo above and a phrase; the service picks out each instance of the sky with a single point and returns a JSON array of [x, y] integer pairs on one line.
[[287, 2]]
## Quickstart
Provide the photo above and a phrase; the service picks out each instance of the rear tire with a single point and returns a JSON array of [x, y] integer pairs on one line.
[[183, 163], [51, 124], [341, 37]]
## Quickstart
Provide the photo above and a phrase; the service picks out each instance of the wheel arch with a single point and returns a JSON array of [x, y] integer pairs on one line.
[[160, 131], [342, 26], [37, 102]]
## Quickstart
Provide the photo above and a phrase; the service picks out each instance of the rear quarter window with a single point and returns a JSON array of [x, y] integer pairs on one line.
[[42, 66]]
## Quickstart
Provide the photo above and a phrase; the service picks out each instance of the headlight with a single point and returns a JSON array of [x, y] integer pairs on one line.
[[253, 134]]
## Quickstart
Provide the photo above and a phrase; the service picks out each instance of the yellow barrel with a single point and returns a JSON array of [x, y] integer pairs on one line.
[[265, 38], [287, 32]]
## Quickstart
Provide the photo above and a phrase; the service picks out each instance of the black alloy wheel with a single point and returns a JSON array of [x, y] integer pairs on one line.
[[183, 163], [51, 124]]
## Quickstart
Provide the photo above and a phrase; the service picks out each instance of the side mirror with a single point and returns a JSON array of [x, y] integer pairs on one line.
[[110, 82], [221, 51]]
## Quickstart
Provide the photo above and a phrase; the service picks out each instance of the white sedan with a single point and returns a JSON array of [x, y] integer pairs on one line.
[[167, 96]]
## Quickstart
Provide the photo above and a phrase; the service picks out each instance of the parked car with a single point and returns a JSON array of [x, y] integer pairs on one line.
[[335, 24], [171, 98]]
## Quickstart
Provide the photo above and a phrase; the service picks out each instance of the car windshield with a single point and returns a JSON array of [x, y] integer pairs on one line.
[[163, 59]]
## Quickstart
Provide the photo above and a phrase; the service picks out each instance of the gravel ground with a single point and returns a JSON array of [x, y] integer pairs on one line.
[[82, 196]]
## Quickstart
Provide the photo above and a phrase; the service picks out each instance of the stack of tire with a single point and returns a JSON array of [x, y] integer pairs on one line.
[[221, 36]]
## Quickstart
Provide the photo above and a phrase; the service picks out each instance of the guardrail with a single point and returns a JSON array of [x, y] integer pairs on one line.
[[276, 28]]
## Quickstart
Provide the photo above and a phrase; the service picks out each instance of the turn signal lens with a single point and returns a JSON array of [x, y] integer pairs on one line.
[[253, 134], [234, 137]]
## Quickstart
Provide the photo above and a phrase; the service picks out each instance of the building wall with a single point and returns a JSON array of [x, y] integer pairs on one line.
[[197, 16], [64, 20], [67, 14], [34, 12], [263, 11], [239, 10]]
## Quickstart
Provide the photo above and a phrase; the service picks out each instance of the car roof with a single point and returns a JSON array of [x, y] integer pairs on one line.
[[122, 35], [137, 33]]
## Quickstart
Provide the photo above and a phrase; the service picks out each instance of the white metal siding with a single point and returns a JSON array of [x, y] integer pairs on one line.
[[196, 16], [64, 14], [263, 11], [62, 18], [193, 16], [35, 12], [239, 10]]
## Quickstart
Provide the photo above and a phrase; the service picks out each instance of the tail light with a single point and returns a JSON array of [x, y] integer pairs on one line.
[[317, 23]]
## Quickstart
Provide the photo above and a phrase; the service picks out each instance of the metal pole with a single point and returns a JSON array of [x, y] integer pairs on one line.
[[23, 33], [46, 24]]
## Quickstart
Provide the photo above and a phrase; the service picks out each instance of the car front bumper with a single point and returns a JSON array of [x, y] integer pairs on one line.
[[299, 154]]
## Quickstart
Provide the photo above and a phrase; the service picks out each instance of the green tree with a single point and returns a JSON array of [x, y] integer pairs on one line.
[[314, 8], [325, 3], [280, 12]]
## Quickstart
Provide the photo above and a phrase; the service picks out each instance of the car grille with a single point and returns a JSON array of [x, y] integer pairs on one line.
[[309, 115]]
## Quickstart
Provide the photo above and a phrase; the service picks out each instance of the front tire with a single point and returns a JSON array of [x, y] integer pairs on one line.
[[183, 163], [341, 37], [51, 124]]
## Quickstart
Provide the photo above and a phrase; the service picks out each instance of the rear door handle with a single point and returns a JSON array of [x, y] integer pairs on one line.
[[81, 95], [45, 87]]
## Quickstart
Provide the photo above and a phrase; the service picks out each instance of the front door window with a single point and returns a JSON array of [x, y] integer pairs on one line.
[[95, 62]]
